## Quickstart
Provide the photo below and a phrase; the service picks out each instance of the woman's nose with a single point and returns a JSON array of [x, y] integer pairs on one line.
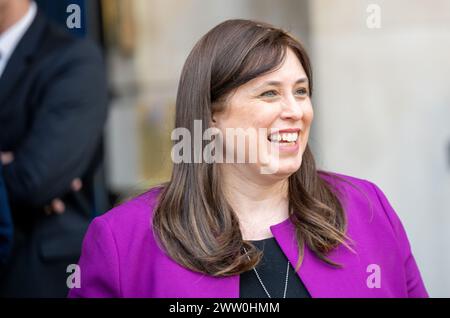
[[292, 108]]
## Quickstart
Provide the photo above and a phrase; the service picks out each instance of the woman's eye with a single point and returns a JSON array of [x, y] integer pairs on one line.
[[269, 94], [302, 91]]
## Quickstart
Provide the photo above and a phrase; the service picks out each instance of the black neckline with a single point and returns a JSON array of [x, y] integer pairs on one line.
[[263, 240]]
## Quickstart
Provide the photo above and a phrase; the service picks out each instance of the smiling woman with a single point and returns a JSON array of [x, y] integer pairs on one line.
[[226, 229]]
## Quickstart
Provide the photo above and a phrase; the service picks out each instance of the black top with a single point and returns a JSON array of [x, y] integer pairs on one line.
[[272, 271]]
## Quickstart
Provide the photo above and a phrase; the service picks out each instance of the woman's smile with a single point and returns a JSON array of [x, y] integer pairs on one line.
[[287, 140]]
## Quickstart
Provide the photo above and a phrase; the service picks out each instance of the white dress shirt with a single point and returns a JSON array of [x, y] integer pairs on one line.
[[11, 36]]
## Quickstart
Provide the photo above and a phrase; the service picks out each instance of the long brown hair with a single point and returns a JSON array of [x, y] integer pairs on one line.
[[193, 222]]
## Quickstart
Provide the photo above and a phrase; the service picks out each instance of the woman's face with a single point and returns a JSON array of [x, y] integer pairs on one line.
[[280, 104]]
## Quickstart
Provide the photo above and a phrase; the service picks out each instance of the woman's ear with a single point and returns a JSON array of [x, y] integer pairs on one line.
[[218, 113], [214, 120]]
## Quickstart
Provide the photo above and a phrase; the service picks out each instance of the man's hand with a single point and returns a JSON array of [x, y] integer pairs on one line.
[[6, 158], [57, 206]]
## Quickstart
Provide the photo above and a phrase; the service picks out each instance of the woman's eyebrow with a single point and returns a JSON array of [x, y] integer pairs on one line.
[[277, 83]]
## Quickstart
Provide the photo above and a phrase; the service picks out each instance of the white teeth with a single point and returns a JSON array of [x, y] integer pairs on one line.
[[288, 137]]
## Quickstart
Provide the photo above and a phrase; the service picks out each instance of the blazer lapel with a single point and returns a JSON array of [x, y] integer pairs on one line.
[[319, 278]]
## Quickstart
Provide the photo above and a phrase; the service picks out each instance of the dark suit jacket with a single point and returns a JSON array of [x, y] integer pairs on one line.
[[53, 105]]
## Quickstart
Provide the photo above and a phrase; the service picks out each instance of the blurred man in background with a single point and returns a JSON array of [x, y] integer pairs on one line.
[[53, 106]]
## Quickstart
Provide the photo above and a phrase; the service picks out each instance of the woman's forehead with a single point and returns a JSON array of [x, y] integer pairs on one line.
[[289, 72]]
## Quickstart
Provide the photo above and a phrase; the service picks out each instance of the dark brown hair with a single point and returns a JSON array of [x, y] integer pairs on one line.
[[193, 222]]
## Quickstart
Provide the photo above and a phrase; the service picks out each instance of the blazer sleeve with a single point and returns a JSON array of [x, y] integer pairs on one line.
[[415, 285], [98, 264], [65, 130]]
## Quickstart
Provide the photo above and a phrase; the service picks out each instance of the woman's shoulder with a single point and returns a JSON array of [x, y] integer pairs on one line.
[[132, 214], [351, 189], [375, 227], [366, 205], [116, 245], [346, 182]]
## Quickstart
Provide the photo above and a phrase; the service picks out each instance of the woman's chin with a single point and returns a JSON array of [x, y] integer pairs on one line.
[[282, 167]]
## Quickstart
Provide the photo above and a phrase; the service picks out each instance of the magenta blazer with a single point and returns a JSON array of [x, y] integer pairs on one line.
[[120, 257]]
